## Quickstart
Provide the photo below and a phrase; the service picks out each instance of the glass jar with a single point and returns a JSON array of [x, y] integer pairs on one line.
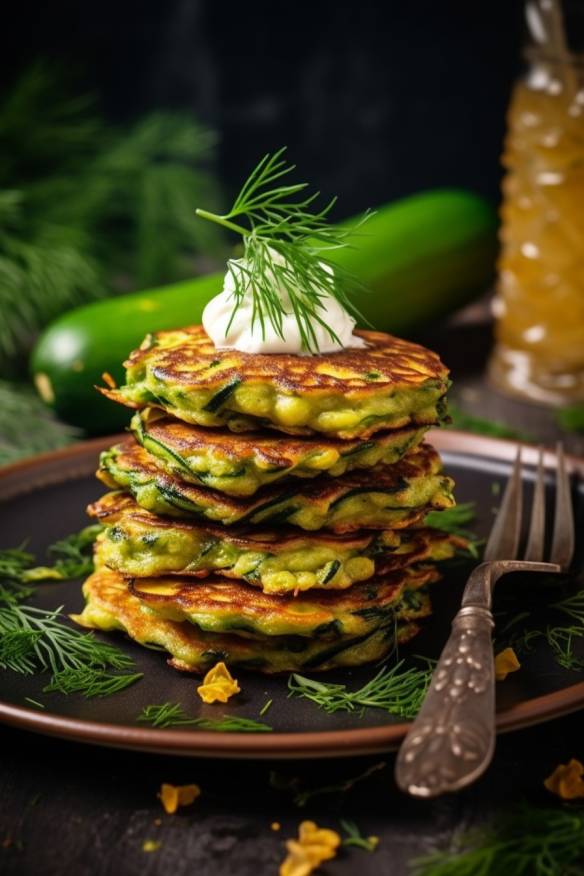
[[539, 306]]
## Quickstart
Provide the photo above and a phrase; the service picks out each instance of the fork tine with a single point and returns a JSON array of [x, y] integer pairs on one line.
[[503, 542], [535, 542], [563, 537]]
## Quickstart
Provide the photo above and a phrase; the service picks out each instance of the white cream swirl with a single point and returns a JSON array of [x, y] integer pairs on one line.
[[249, 338]]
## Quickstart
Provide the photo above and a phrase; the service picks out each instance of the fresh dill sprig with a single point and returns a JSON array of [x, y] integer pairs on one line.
[[73, 555], [34, 639], [14, 563], [285, 247], [87, 209], [525, 842], [73, 559], [233, 724], [573, 606], [173, 715], [293, 784], [562, 641], [165, 715], [561, 637], [355, 837], [454, 521], [90, 682], [397, 690]]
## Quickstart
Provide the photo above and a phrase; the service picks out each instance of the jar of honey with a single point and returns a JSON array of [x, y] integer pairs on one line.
[[539, 305]]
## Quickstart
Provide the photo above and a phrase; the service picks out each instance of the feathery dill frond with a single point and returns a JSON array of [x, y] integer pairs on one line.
[[88, 210], [396, 690], [286, 246]]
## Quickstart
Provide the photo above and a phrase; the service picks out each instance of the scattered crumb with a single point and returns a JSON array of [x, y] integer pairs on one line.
[[218, 685], [173, 796], [505, 663], [313, 846], [150, 845], [275, 825], [567, 780]]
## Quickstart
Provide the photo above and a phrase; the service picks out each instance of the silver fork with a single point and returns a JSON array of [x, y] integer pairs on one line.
[[452, 740]]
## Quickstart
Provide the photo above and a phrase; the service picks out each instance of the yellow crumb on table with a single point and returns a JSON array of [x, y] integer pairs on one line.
[[313, 846], [218, 685], [567, 780], [151, 845], [173, 796], [505, 663]]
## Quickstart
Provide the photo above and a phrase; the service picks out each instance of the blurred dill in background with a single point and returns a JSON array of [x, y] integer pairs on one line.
[[27, 425], [88, 210]]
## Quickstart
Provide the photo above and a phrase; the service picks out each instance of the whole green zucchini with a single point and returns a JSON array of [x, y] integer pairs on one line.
[[421, 258]]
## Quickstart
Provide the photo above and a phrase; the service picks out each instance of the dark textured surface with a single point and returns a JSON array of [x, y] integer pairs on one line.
[[68, 809], [375, 100]]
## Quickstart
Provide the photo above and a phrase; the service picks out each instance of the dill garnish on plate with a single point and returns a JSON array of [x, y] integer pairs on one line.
[[173, 715], [398, 691], [35, 640]]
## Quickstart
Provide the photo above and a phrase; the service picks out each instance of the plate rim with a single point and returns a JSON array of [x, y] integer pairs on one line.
[[58, 466]]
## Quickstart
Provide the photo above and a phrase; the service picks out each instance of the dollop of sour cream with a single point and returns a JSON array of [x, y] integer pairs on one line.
[[242, 335]]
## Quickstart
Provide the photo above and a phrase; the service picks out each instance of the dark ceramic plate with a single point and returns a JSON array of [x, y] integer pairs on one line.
[[44, 499]]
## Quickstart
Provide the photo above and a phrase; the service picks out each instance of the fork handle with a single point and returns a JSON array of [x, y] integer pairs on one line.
[[451, 741]]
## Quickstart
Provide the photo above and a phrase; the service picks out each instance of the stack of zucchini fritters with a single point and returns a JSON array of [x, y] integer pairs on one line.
[[269, 509]]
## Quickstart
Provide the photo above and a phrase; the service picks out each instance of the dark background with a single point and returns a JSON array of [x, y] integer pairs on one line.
[[374, 99]]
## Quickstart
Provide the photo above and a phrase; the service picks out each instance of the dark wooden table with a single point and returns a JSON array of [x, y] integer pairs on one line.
[[87, 811], [70, 809]]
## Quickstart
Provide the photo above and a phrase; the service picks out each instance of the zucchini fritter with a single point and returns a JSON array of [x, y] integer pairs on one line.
[[217, 605], [239, 464], [139, 544], [383, 497], [353, 393], [111, 606]]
